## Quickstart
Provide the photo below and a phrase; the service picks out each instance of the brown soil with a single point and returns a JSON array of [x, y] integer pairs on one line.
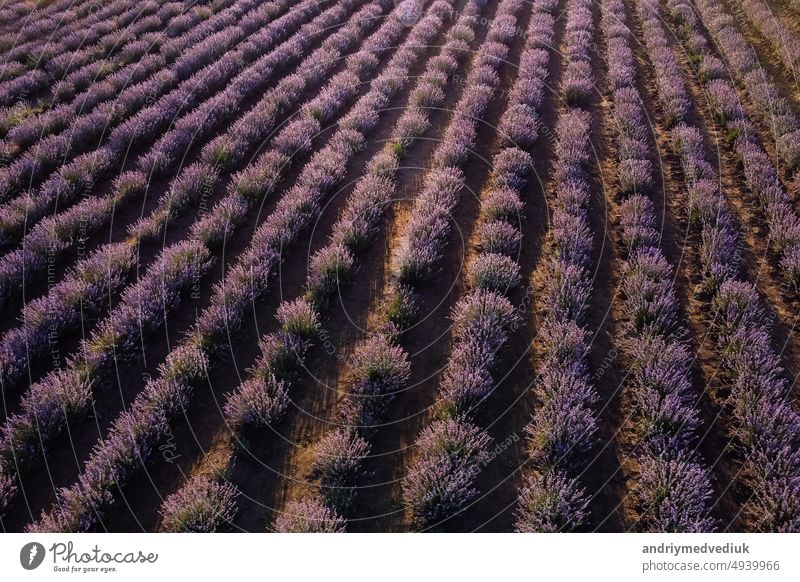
[[767, 56]]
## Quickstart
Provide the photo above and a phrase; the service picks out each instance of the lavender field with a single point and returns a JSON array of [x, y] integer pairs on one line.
[[400, 265]]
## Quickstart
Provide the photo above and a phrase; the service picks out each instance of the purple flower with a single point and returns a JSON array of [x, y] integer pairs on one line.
[[299, 317], [495, 272], [401, 308], [426, 95], [503, 204], [440, 481], [567, 289], [144, 304], [650, 302], [564, 345], [297, 136], [380, 369], [577, 83], [259, 401], [482, 309], [328, 267], [259, 179], [637, 219], [498, 236], [366, 205], [519, 125], [528, 92], [634, 175], [673, 496], [378, 361], [511, 168], [412, 124], [790, 266], [200, 506], [8, 489], [422, 245], [218, 225], [571, 238], [551, 503], [467, 379], [456, 144], [338, 458], [309, 516], [736, 306], [562, 429], [775, 506]]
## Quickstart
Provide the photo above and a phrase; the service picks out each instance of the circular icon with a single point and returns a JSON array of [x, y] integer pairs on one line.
[[31, 555]]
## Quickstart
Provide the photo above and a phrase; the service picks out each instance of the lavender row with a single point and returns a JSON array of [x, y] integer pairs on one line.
[[231, 148], [577, 84], [69, 305], [451, 451], [55, 235], [149, 106], [772, 109], [130, 36], [332, 265], [245, 282], [35, 33], [562, 428], [263, 398], [116, 33], [146, 39], [117, 15], [212, 114], [759, 172], [718, 254], [92, 79], [467, 380], [33, 13], [767, 426], [672, 492], [79, 176], [783, 40], [66, 394], [199, 25], [379, 365], [257, 180], [134, 33], [440, 486], [673, 95], [634, 166], [154, 406], [198, 180]]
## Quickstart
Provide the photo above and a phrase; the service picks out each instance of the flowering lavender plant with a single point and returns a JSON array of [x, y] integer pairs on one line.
[[201, 506], [308, 515]]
